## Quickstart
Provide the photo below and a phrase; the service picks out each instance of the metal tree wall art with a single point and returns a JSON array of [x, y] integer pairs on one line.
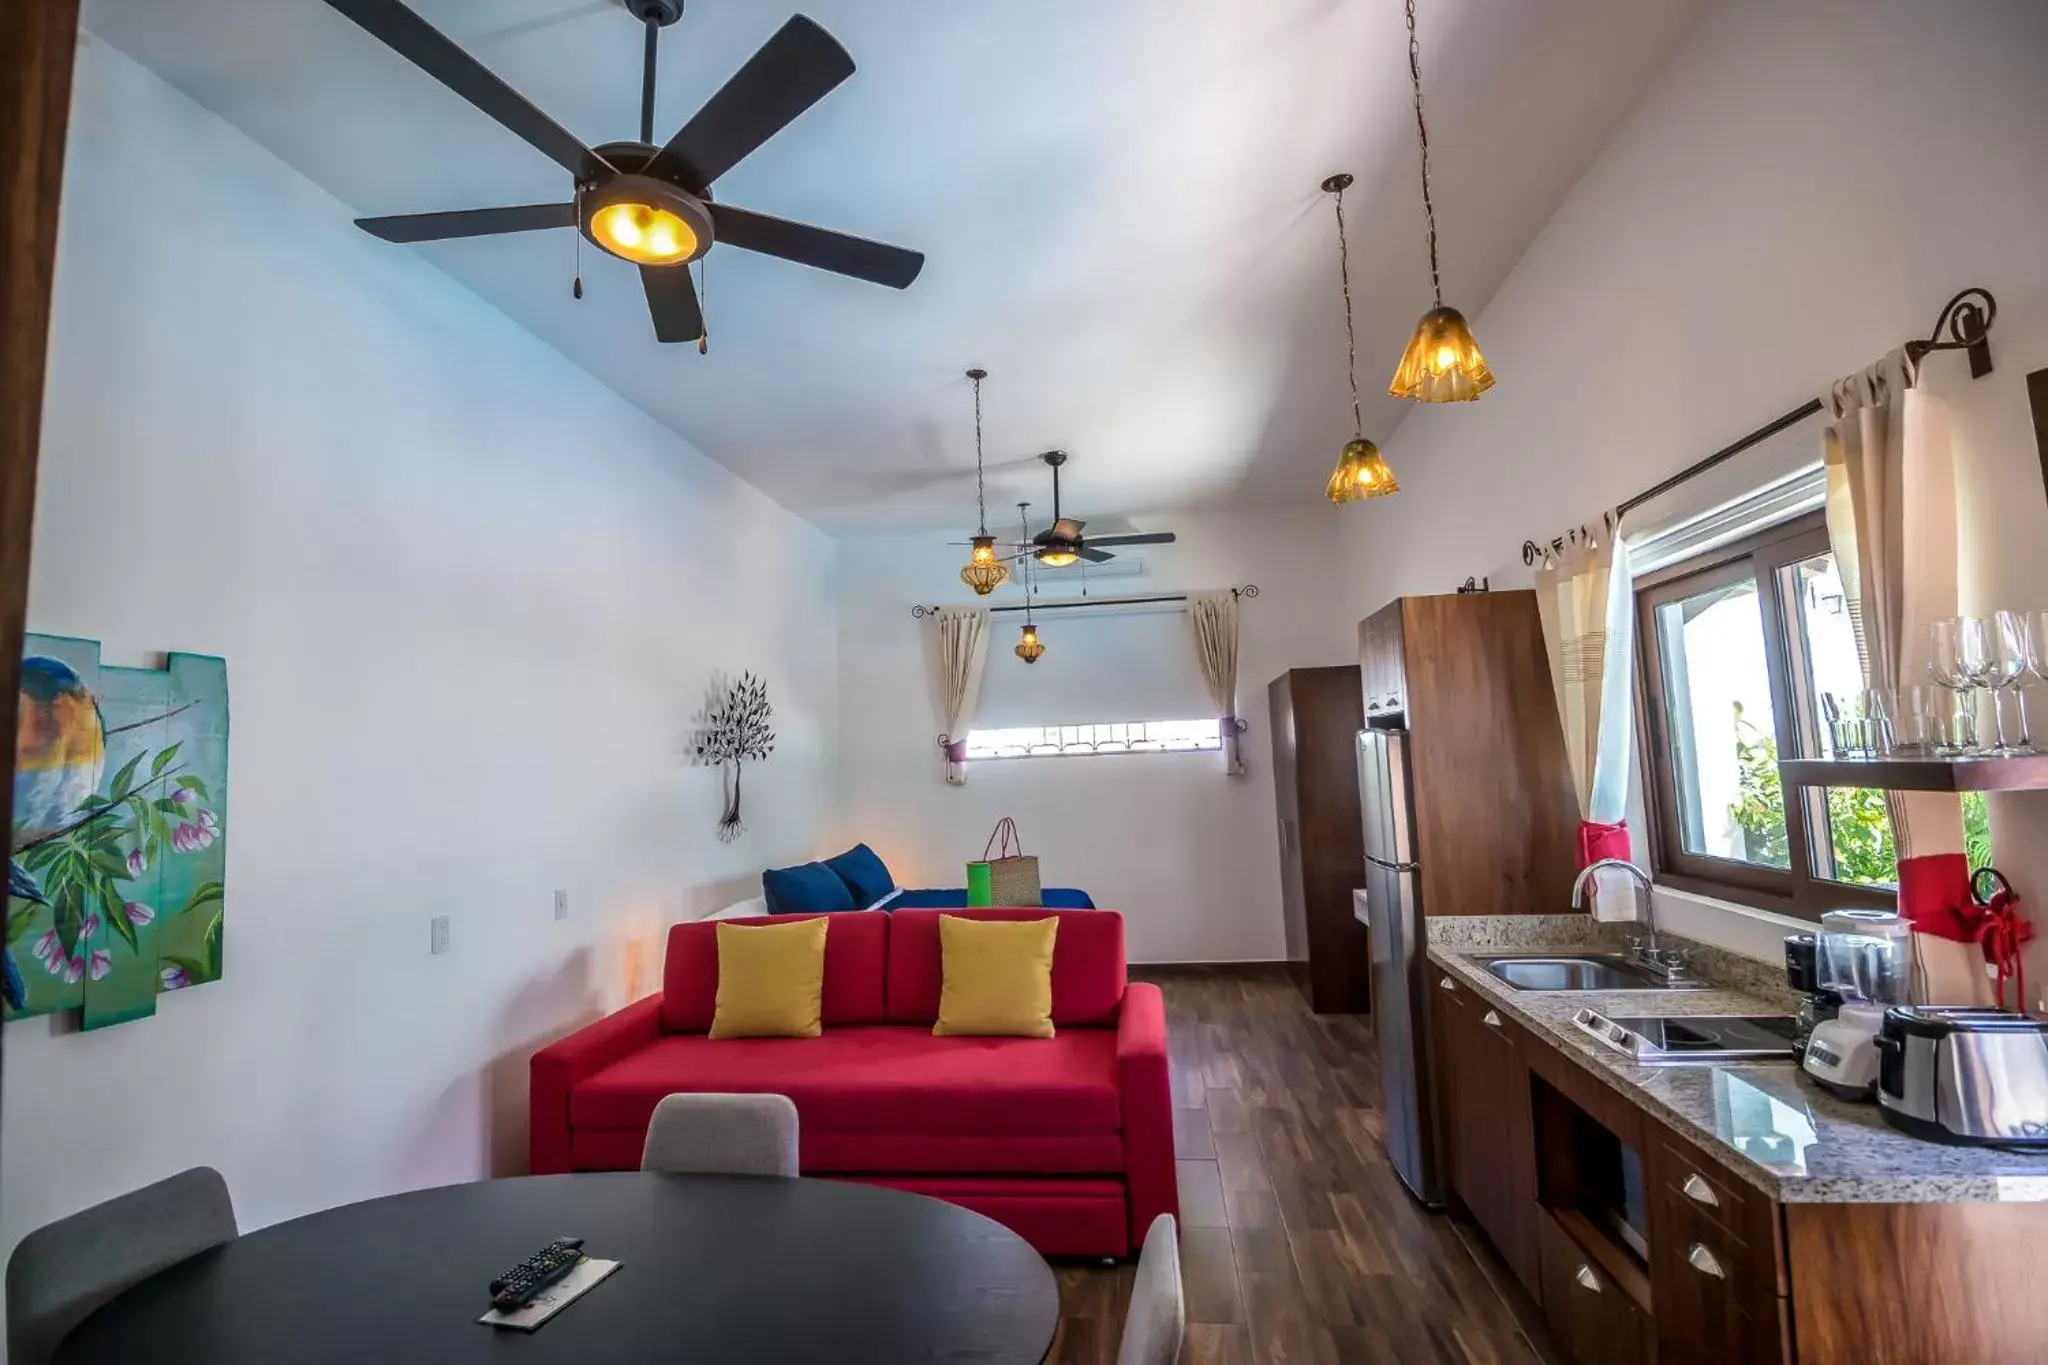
[[736, 732]]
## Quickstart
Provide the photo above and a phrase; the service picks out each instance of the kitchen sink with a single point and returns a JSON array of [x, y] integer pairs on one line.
[[1580, 972]]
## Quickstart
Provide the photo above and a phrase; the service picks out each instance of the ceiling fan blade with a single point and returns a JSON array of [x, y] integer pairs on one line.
[[793, 71], [1093, 555], [672, 299], [1149, 538], [426, 47], [839, 252], [434, 227]]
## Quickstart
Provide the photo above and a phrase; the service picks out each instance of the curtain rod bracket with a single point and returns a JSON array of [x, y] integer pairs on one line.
[[1964, 325]]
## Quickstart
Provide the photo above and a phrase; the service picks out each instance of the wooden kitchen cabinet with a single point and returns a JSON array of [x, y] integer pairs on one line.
[[1381, 677], [1590, 1312], [1485, 1122]]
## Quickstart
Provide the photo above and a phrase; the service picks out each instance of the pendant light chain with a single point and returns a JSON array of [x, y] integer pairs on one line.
[[980, 488], [1422, 133], [1350, 328]]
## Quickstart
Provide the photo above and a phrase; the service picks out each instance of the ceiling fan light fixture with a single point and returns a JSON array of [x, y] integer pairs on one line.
[[1361, 473], [1029, 647], [1443, 363], [1057, 556], [643, 220]]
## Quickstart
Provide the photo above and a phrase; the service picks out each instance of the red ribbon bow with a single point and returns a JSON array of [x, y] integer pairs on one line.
[[1994, 924]]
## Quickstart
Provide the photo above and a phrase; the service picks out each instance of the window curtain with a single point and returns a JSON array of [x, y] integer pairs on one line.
[[963, 652], [1891, 514], [1212, 617], [1584, 598]]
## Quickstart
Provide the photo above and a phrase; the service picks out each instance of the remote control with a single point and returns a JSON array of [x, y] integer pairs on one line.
[[518, 1286]]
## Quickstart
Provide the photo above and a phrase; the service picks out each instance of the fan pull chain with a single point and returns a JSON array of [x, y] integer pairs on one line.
[[576, 289], [703, 305]]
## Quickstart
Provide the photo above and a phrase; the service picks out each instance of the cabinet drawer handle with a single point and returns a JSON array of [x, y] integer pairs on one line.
[[1447, 984], [1491, 1018], [1706, 1262], [1700, 1191], [1587, 1279]]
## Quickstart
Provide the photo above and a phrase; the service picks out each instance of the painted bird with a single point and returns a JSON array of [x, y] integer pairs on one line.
[[60, 752]]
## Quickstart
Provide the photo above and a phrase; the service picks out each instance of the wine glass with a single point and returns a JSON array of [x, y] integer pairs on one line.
[[1974, 666], [2010, 650], [1945, 667]]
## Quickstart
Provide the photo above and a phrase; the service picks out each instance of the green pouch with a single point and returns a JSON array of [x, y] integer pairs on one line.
[[980, 890]]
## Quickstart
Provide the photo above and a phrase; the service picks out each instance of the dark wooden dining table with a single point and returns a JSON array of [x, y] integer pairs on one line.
[[715, 1270]]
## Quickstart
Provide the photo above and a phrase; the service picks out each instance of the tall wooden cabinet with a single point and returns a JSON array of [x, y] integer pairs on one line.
[[1316, 718], [1495, 820]]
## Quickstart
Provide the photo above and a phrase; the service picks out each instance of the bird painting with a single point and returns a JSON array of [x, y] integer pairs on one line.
[[60, 753]]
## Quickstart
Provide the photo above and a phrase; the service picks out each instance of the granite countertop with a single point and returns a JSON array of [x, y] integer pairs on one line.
[[1768, 1121]]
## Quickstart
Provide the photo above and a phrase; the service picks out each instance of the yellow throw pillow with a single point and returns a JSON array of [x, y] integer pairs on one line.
[[771, 980], [996, 977]]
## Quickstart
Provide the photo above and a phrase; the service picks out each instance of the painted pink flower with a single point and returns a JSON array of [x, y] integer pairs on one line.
[[185, 796], [102, 963], [74, 970], [138, 914], [174, 977], [91, 927], [187, 838], [48, 950], [208, 821], [136, 863]]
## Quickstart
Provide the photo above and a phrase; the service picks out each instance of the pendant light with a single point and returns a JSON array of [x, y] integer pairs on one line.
[[985, 571], [1442, 363], [1029, 648], [1361, 470]]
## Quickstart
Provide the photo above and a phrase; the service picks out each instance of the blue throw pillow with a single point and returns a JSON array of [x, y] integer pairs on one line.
[[865, 874], [810, 889]]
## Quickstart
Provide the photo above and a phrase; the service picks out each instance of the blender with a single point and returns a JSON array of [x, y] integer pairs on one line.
[[1865, 958]]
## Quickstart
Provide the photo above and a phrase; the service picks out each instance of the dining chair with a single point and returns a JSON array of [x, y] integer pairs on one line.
[[722, 1135], [61, 1272], [1158, 1317]]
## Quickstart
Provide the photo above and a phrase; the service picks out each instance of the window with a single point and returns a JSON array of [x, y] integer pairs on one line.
[[1738, 647], [1116, 737]]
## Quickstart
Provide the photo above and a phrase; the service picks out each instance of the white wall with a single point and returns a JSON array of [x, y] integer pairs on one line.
[[1799, 193], [1191, 857], [469, 601]]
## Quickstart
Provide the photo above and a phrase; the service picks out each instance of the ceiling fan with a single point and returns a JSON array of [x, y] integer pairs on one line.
[[1061, 543], [648, 204]]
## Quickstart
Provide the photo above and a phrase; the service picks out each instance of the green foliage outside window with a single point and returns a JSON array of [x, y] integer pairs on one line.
[[1857, 818]]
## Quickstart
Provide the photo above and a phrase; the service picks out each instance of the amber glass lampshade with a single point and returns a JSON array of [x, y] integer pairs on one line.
[[1361, 473], [985, 572], [1442, 363], [1029, 648]]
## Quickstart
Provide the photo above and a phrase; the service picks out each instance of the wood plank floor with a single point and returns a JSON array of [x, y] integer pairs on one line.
[[1298, 1242]]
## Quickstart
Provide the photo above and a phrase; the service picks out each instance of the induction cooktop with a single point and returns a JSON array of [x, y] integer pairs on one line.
[[1696, 1038]]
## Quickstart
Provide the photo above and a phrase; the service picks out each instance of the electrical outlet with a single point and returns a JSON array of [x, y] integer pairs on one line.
[[437, 934], [561, 902]]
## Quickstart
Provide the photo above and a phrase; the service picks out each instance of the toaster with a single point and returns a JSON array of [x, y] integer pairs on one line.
[[1964, 1074]]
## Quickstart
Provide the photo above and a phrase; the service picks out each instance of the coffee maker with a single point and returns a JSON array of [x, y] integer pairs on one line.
[[1802, 974]]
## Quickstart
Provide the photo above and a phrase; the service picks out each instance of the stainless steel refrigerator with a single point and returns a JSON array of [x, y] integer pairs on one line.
[[1394, 924]]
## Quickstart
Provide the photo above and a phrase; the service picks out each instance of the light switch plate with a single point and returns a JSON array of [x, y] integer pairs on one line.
[[561, 902], [437, 934]]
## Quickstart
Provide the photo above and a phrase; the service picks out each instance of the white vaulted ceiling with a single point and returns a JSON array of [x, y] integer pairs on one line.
[[1117, 198]]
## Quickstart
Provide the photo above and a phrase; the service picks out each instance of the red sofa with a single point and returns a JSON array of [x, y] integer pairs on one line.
[[1067, 1140]]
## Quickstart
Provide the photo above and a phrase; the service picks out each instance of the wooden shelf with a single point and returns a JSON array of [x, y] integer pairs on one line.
[[2023, 773]]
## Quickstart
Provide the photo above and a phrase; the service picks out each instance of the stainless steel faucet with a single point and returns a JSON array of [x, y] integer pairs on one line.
[[1670, 966]]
